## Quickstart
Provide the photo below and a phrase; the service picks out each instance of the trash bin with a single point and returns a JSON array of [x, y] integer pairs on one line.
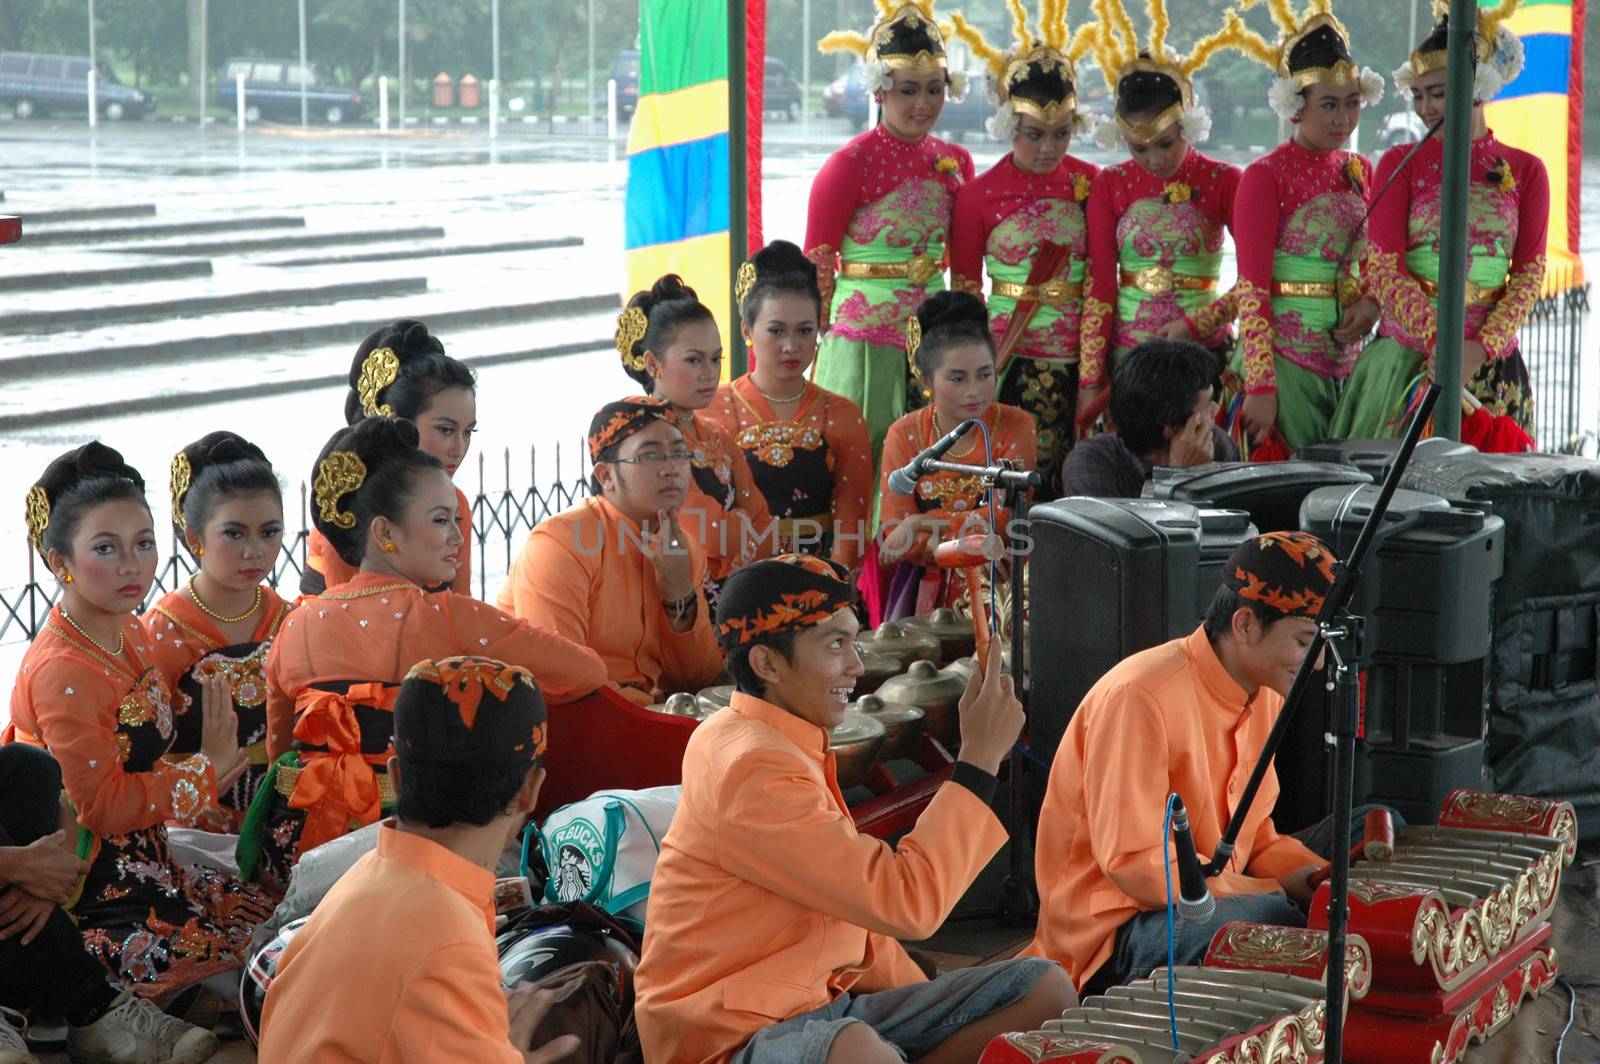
[[469, 98], [444, 90]]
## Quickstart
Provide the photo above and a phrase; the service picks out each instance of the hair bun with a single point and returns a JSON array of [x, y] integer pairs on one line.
[[951, 307], [669, 287], [408, 338], [779, 257], [216, 448]]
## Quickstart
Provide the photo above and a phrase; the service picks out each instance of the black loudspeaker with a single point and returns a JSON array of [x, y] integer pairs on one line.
[[1426, 602], [1544, 664], [1107, 578], [1374, 457], [1270, 492]]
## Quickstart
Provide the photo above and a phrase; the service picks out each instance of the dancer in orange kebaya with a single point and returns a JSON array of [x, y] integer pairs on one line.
[[227, 511], [618, 573], [772, 923], [670, 346], [807, 447], [90, 693], [401, 370], [952, 349], [332, 673], [398, 961]]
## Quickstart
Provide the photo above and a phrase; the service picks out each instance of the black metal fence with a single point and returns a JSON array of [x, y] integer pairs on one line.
[[1553, 343], [501, 519]]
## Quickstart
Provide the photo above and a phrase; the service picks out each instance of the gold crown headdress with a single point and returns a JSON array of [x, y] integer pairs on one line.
[[1119, 55], [1498, 50], [1285, 94], [910, 21], [1051, 49]]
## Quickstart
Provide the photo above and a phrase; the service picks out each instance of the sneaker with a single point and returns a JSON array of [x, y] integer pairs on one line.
[[136, 1032], [13, 1050]]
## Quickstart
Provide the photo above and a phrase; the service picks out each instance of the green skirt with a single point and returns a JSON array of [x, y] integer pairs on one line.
[[1306, 400], [1374, 398], [869, 375]]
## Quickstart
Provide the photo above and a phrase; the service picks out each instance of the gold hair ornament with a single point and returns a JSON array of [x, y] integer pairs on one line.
[[339, 474], [38, 516], [913, 341], [1117, 52], [182, 473], [911, 13], [632, 324], [1489, 22], [743, 281], [379, 369]]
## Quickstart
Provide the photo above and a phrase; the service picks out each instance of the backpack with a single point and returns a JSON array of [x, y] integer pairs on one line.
[[602, 850]]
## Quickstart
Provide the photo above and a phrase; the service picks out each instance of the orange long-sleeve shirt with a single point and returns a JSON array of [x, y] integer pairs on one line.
[[1167, 719], [397, 964], [767, 903], [582, 574], [374, 628]]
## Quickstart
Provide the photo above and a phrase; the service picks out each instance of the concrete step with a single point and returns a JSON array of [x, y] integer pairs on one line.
[[103, 270], [287, 329], [114, 389], [428, 251], [39, 322], [278, 243], [85, 214], [107, 234]]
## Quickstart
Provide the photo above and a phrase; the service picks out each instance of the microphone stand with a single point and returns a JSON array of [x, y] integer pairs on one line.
[[1020, 905], [1339, 632]]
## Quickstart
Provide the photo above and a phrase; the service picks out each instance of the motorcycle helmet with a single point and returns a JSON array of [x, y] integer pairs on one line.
[[257, 976], [530, 956]]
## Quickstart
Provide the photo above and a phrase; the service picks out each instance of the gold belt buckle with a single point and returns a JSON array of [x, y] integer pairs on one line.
[[1053, 293], [1154, 280], [920, 269], [1349, 291]]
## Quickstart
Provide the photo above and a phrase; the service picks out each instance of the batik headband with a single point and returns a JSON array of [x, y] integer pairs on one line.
[[1290, 572], [779, 595]]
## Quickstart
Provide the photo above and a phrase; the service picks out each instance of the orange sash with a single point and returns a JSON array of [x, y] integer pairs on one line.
[[337, 789]]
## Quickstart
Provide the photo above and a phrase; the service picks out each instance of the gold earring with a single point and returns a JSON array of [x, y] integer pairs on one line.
[[199, 552], [927, 393], [67, 579], [388, 548]]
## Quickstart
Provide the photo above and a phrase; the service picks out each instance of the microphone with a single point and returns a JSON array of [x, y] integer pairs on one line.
[[1195, 904], [903, 481]]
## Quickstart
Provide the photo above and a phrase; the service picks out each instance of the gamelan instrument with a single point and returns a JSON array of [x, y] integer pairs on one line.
[[1257, 999], [1458, 919]]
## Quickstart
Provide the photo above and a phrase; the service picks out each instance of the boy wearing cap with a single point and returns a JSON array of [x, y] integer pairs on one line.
[[617, 573], [1190, 717], [772, 924], [398, 961]]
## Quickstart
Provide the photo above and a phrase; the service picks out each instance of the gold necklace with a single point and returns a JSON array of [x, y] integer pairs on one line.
[[937, 432], [773, 399], [213, 614], [117, 653]]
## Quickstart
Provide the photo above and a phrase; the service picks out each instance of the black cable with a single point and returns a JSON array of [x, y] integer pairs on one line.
[[1572, 1009], [1361, 227]]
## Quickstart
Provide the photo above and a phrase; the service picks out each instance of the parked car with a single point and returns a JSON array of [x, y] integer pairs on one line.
[[1401, 127], [272, 90], [847, 97], [625, 72], [783, 93], [33, 84]]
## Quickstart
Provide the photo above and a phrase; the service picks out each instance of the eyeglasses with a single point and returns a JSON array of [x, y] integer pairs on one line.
[[655, 459]]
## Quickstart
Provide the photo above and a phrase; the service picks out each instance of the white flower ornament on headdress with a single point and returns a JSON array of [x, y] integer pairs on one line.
[[1505, 62], [881, 75], [956, 84], [1284, 98], [1403, 79], [1196, 124], [1108, 135], [1371, 87], [1002, 126], [1086, 123]]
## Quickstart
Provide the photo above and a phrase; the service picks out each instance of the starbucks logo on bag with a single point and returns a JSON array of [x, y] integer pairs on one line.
[[579, 848]]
